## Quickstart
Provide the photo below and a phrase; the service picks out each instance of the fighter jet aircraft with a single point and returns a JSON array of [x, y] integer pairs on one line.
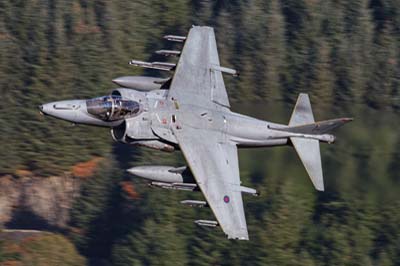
[[190, 112]]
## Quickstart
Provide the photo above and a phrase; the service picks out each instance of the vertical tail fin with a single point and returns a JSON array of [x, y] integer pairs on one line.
[[307, 149]]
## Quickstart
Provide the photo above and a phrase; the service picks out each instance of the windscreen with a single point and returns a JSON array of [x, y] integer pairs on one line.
[[111, 108]]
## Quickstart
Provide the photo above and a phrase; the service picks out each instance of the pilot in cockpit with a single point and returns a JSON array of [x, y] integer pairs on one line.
[[111, 108]]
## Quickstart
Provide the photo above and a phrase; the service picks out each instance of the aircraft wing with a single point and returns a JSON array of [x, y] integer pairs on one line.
[[215, 167], [198, 77]]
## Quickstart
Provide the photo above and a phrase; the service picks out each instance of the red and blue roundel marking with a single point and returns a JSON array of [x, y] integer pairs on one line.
[[226, 199]]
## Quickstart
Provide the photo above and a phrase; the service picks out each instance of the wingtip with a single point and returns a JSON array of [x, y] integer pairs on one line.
[[244, 237], [318, 184], [238, 234]]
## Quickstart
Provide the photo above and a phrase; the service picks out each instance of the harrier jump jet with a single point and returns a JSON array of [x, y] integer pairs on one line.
[[190, 112]]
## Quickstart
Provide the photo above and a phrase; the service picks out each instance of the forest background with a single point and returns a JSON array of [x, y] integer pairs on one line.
[[344, 54]]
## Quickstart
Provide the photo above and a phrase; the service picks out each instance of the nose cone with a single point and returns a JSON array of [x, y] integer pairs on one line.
[[146, 172], [66, 110], [41, 109], [138, 171], [45, 109], [157, 173]]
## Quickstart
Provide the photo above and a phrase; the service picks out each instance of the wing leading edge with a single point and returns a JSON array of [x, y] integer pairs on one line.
[[216, 169], [198, 73]]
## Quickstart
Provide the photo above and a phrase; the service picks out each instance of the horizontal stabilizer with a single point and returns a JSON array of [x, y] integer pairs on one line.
[[305, 135], [307, 148], [309, 153]]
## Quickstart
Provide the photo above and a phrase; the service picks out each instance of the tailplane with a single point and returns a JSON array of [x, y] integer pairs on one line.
[[308, 151], [305, 135]]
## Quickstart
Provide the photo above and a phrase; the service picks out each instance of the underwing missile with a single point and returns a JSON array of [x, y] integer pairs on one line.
[[175, 186], [153, 65], [195, 203], [206, 223], [175, 38], [168, 52]]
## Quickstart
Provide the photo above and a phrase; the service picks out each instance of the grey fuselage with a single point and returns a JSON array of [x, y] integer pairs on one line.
[[150, 123]]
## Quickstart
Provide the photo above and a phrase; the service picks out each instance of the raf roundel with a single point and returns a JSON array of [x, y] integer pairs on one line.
[[226, 199]]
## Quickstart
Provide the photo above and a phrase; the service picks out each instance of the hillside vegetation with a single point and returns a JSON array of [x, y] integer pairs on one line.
[[37, 249]]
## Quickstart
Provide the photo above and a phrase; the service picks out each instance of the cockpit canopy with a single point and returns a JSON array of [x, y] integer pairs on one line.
[[111, 108]]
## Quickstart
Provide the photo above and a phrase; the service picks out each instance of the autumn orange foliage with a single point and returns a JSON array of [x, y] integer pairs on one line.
[[23, 173], [11, 263], [129, 189], [86, 169]]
